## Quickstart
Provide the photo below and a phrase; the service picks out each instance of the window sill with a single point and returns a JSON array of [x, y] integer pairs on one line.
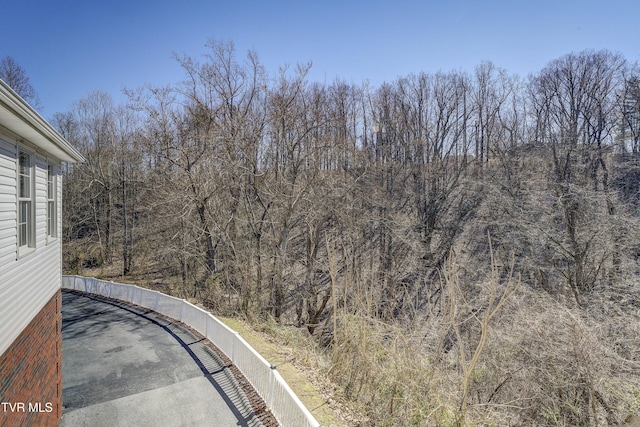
[[25, 251]]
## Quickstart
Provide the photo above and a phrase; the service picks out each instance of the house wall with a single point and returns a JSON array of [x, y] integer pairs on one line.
[[27, 282], [8, 208], [30, 342]]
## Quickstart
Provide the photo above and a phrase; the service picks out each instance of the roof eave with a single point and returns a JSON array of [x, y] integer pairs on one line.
[[34, 128]]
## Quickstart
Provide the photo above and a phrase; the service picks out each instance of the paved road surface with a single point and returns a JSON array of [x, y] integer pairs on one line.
[[126, 366]]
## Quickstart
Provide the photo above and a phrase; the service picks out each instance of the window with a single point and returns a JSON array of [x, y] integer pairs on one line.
[[26, 226], [51, 203]]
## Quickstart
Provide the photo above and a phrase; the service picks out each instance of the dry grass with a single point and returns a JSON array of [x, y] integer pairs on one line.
[[538, 361], [297, 360], [544, 361]]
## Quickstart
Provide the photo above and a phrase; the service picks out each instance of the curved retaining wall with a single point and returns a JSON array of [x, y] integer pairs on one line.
[[264, 377]]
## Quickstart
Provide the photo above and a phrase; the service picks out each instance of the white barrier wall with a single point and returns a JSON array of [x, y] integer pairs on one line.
[[278, 396]]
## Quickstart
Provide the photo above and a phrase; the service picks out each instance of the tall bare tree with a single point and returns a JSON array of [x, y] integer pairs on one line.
[[574, 100]]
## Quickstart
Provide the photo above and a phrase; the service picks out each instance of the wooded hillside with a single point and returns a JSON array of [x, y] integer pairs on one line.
[[464, 246]]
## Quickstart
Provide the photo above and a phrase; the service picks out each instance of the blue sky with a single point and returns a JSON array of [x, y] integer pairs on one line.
[[72, 47]]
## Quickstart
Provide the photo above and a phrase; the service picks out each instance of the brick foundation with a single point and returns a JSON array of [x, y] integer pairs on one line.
[[31, 372]]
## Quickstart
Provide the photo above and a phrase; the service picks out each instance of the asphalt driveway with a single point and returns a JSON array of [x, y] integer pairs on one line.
[[127, 366]]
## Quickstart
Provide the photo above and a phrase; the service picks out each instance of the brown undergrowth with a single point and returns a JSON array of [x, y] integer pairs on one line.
[[543, 361]]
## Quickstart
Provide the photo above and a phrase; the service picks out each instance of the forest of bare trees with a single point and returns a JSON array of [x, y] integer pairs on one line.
[[464, 246]]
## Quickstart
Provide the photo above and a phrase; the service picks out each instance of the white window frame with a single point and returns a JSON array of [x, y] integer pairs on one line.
[[52, 202], [26, 202]]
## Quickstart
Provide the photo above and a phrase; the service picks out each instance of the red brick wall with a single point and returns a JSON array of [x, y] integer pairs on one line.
[[31, 372]]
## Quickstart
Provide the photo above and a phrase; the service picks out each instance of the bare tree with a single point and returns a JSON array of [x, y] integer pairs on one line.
[[338, 208], [16, 77], [574, 100]]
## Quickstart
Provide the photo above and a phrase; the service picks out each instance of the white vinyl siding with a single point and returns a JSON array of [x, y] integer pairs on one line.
[[26, 285], [8, 203], [28, 282]]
